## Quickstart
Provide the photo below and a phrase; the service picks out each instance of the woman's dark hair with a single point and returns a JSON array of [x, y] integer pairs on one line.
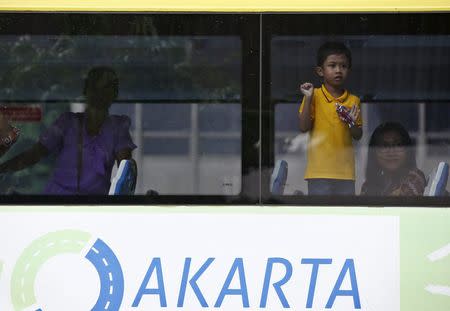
[[96, 73], [330, 48], [374, 173]]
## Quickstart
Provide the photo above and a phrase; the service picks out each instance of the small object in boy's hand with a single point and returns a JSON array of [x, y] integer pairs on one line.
[[344, 114]]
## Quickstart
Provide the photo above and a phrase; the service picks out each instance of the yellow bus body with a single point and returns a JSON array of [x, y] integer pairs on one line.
[[225, 6]]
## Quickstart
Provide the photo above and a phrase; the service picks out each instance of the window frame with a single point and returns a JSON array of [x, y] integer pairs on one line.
[[310, 24], [239, 24]]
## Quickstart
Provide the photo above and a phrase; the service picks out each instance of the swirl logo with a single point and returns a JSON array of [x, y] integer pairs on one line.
[[42, 249]]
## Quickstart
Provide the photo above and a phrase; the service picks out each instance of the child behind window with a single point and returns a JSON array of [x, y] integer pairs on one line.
[[331, 115]]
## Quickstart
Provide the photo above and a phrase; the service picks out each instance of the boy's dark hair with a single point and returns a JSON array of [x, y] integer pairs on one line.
[[95, 73], [330, 48]]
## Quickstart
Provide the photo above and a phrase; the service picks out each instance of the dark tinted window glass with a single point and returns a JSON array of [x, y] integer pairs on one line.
[[399, 68], [179, 99]]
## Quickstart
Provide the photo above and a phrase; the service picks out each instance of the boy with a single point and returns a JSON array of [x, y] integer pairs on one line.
[[332, 116]]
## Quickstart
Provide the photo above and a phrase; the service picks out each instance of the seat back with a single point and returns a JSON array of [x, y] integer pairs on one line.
[[279, 177], [124, 182], [437, 183]]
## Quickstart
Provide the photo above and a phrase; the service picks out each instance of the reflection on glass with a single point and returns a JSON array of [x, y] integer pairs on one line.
[[190, 153]]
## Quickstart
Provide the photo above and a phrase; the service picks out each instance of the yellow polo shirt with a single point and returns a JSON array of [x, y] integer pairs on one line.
[[330, 146]]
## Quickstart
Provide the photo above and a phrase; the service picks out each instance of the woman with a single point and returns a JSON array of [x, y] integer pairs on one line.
[[86, 144], [391, 164]]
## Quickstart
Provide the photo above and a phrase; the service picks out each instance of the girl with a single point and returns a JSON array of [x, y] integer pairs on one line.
[[391, 164]]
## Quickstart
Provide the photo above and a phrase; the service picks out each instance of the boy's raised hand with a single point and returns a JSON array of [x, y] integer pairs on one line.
[[307, 89]]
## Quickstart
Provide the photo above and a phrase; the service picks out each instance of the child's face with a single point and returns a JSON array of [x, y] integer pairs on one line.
[[334, 70], [390, 153]]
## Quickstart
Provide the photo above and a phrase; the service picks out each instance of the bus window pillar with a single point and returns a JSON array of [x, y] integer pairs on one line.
[[421, 137], [194, 148], [138, 137]]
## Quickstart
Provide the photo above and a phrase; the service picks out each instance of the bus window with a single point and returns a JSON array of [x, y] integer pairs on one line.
[[399, 72], [179, 84]]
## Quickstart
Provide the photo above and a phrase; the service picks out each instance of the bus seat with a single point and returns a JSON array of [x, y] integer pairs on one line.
[[124, 182], [279, 177], [437, 183]]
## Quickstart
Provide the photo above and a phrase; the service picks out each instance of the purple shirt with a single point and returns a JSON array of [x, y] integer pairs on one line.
[[99, 153]]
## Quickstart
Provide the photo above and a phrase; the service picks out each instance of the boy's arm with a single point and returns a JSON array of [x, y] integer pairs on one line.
[[304, 115], [356, 132]]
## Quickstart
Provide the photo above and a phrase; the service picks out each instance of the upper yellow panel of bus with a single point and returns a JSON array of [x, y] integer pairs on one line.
[[226, 5]]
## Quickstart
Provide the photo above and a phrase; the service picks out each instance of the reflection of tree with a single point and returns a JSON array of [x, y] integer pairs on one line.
[[203, 74], [144, 26], [34, 69], [191, 67]]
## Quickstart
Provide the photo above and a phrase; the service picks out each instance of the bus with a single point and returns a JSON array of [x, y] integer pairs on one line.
[[218, 213]]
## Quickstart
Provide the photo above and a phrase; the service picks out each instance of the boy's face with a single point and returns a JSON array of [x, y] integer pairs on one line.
[[334, 70]]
